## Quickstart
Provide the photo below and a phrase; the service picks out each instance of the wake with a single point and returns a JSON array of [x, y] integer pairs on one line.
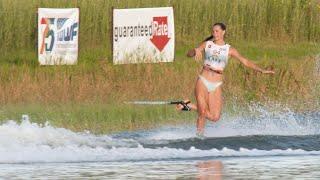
[[264, 133]]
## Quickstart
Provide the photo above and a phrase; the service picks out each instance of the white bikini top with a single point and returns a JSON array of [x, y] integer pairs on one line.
[[216, 56]]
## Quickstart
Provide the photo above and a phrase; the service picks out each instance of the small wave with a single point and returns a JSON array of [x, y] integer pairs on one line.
[[263, 142], [46, 154], [266, 133]]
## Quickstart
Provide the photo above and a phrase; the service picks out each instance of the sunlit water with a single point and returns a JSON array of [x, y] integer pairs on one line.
[[265, 145], [279, 167]]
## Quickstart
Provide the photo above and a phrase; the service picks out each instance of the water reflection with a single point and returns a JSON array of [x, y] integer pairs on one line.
[[210, 170], [270, 167]]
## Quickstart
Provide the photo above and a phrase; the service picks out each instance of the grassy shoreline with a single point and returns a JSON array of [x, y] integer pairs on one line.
[[90, 97], [105, 83], [97, 118]]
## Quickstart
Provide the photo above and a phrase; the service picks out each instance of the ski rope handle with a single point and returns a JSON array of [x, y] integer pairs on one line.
[[184, 104]]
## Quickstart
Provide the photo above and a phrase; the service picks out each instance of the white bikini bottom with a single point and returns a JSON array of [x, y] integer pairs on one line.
[[211, 86]]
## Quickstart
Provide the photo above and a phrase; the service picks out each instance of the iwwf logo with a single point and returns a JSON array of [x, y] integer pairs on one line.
[[65, 32], [57, 30]]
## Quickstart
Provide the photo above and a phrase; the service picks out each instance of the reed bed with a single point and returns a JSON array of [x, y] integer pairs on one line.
[[284, 20]]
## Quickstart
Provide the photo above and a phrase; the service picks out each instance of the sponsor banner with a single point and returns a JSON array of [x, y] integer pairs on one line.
[[143, 35], [58, 34]]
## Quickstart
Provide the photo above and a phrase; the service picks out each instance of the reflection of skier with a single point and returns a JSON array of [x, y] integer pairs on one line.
[[210, 170], [44, 34]]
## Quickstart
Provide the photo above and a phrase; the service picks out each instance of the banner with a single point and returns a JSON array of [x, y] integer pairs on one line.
[[58, 34], [144, 35]]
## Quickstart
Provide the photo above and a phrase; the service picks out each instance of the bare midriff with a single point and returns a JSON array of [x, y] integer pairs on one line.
[[211, 74]]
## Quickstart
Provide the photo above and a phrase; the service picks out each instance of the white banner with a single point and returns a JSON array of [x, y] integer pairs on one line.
[[143, 35], [58, 33]]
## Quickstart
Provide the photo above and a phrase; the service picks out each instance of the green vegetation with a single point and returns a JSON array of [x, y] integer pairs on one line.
[[279, 35], [285, 20], [97, 118]]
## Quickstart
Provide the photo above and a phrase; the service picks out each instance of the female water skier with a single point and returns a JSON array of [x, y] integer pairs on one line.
[[208, 90]]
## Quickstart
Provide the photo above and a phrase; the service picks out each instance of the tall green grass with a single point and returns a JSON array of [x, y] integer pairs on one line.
[[101, 82], [249, 20]]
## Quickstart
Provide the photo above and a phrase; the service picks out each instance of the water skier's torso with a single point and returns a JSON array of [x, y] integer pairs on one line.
[[216, 59]]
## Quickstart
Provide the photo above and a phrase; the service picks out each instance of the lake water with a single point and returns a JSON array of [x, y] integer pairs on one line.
[[267, 145], [267, 167]]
